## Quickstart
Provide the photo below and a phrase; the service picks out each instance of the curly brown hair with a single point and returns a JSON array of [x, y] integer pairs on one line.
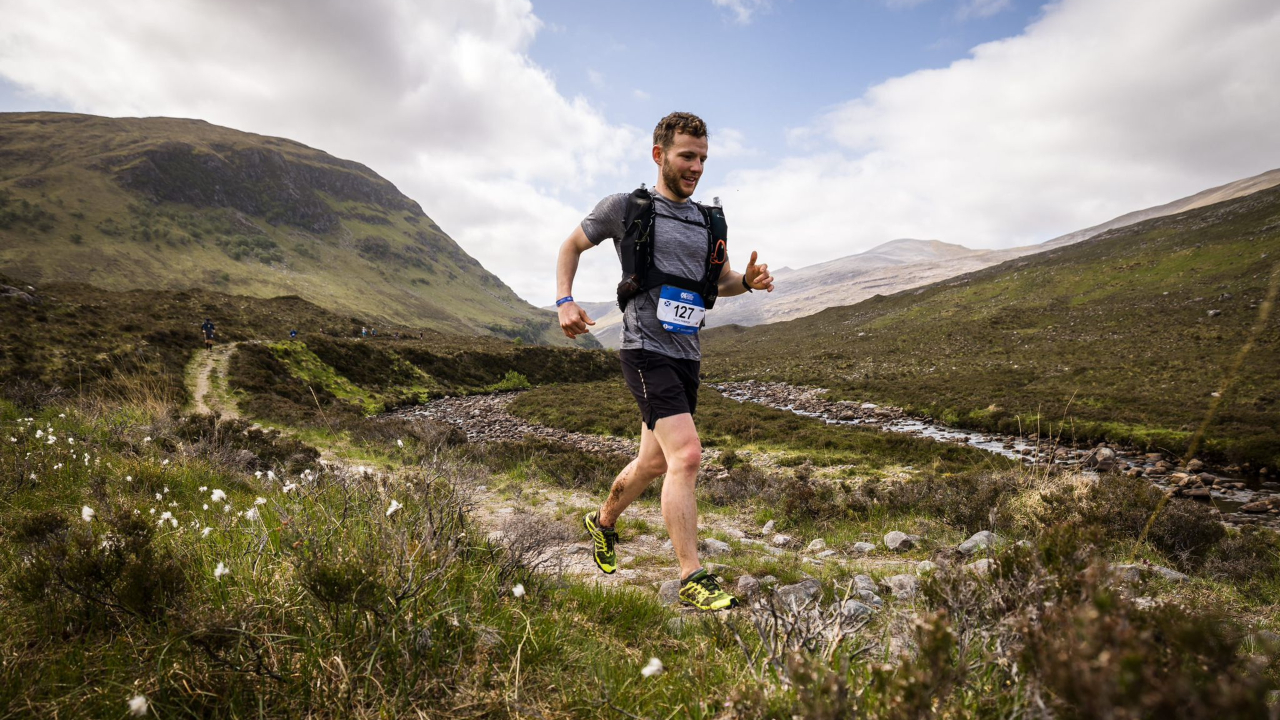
[[678, 122]]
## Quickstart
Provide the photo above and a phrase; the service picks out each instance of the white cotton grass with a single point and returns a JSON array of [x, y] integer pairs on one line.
[[217, 495], [87, 513], [251, 513], [400, 443], [518, 590], [653, 668], [393, 507], [205, 532], [219, 571], [260, 501], [138, 705], [290, 487]]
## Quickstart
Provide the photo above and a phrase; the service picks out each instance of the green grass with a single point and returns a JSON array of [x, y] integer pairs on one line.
[[1110, 339]]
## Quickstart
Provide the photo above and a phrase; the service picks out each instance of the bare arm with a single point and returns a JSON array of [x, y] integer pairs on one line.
[[757, 276], [573, 319]]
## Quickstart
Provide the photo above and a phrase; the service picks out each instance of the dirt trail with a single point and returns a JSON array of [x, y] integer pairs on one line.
[[207, 377]]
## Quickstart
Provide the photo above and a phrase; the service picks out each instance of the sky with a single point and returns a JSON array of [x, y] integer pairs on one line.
[[835, 126]]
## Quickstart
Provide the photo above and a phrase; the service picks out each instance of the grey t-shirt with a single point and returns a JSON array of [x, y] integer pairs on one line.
[[679, 248]]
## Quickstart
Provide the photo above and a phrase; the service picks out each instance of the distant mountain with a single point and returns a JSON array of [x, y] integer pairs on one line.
[[903, 264], [172, 204], [1139, 334]]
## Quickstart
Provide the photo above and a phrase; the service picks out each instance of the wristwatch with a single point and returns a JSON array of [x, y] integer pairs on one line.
[[744, 283]]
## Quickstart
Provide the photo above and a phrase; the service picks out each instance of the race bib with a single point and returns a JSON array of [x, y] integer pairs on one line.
[[680, 311]]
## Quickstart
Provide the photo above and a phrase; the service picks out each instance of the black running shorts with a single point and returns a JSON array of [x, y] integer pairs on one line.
[[663, 386]]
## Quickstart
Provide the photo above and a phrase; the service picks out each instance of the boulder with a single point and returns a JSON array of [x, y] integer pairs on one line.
[[903, 587], [1169, 573], [864, 582], [781, 540], [981, 567], [1127, 574], [767, 529], [768, 581], [864, 547], [898, 541], [979, 541], [669, 593], [816, 546], [799, 593], [712, 546], [747, 586], [826, 554], [926, 567], [855, 610], [870, 598]]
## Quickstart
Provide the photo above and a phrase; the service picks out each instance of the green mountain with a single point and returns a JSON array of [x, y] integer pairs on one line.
[[170, 204], [1141, 334]]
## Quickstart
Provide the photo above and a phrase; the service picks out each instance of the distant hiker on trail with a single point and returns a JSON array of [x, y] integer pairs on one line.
[[293, 334], [207, 327], [674, 266], [364, 332]]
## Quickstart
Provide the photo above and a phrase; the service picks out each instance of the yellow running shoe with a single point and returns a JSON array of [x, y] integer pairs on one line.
[[702, 590], [604, 538]]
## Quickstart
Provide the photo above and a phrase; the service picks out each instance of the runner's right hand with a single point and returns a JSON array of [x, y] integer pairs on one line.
[[574, 320]]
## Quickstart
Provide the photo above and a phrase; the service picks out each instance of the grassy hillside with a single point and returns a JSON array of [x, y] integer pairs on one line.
[[76, 339], [1127, 336], [162, 203]]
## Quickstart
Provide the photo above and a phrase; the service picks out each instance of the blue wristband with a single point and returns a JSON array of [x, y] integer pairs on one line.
[[563, 300]]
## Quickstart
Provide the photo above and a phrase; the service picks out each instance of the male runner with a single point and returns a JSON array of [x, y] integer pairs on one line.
[[660, 367], [207, 327]]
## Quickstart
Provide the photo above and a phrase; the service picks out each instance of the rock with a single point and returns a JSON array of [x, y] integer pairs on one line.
[[870, 598], [748, 586], [734, 533], [1169, 573], [1127, 574], [767, 529], [826, 554], [667, 545], [781, 540], [1145, 603], [1198, 492], [768, 581], [979, 541], [800, 593], [1104, 459], [925, 567], [669, 593], [817, 546], [864, 547], [898, 541], [864, 582], [497, 537], [903, 587], [712, 546], [981, 567], [854, 609], [1195, 465], [1215, 313]]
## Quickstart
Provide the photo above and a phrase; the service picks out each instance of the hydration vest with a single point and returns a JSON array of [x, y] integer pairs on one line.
[[639, 274]]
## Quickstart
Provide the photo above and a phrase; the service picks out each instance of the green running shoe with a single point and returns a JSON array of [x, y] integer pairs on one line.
[[702, 590], [604, 538]]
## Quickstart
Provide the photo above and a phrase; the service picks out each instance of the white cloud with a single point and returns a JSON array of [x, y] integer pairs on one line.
[[730, 142], [742, 9], [1096, 109], [640, 95], [982, 8], [438, 96]]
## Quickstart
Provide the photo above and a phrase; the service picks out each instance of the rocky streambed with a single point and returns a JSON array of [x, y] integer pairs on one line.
[[1239, 503]]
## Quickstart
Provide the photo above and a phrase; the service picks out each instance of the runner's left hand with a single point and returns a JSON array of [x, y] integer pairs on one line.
[[757, 276]]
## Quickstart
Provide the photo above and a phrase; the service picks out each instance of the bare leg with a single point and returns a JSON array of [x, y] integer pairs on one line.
[[634, 478], [683, 452]]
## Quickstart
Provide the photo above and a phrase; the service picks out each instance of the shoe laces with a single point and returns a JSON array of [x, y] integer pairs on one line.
[[709, 584], [610, 538]]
